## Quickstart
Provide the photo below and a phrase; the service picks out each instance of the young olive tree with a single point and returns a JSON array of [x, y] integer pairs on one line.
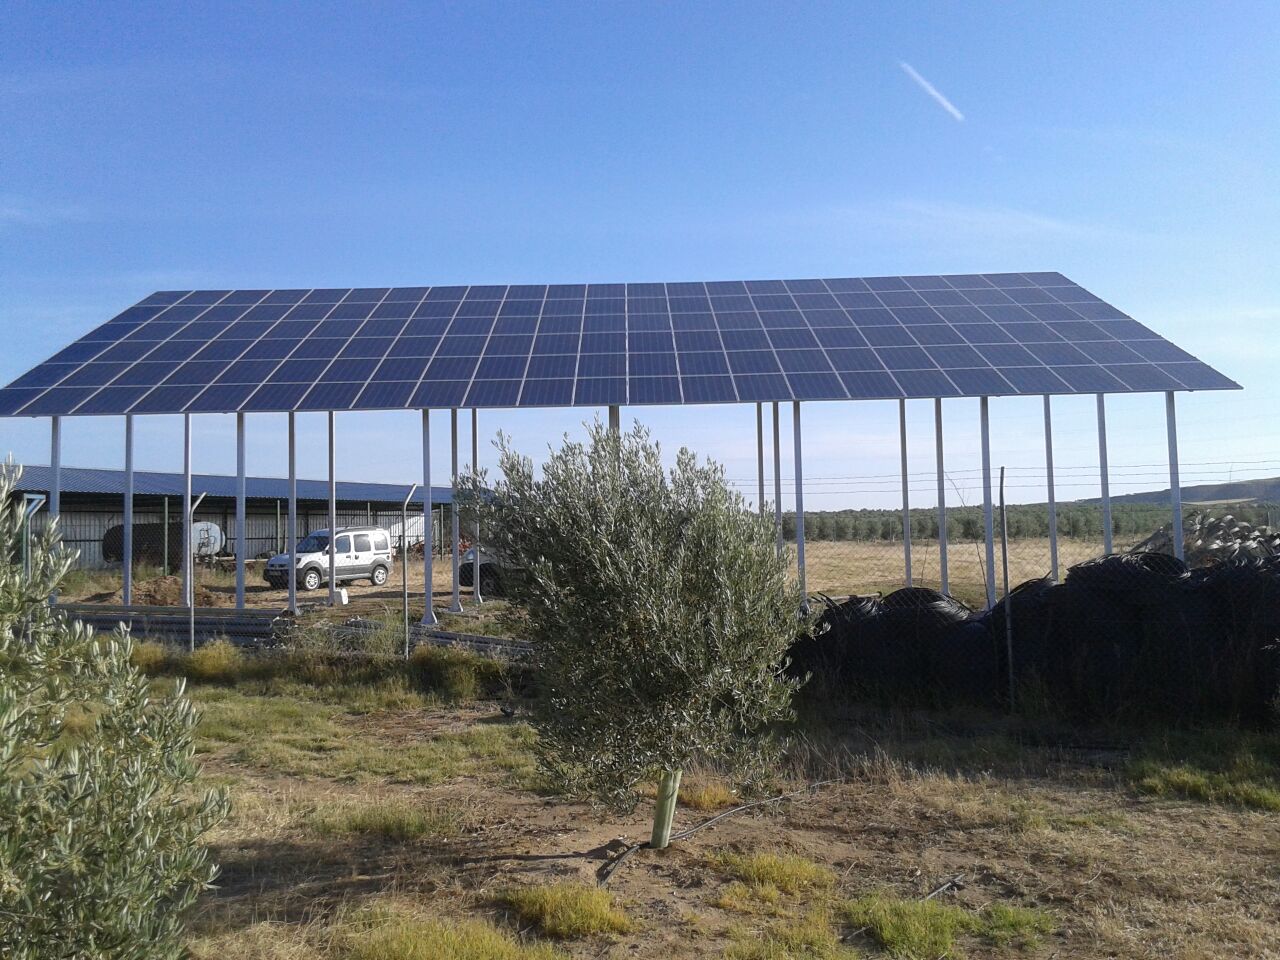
[[99, 825], [658, 609]]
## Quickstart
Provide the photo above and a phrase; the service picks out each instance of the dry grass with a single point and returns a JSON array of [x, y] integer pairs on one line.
[[766, 872], [566, 910], [384, 833]]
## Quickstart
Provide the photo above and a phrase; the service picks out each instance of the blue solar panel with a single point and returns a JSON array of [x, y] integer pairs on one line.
[[593, 344]]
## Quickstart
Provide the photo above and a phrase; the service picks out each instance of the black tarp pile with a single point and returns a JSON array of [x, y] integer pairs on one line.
[[1134, 635]]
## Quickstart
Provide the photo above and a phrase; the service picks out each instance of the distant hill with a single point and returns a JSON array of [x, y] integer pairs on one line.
[[1266, 490]]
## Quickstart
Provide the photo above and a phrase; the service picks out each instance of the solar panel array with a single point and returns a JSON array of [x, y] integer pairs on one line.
[[221, 351]]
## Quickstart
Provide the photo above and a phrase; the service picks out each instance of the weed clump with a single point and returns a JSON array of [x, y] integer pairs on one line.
[[786, 873], [218, 662], [925, 929], [396, 822], [567, 909], [393, 935]]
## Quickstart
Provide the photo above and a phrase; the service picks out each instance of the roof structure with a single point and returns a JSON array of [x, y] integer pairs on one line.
[[38, 478], [220, 351]]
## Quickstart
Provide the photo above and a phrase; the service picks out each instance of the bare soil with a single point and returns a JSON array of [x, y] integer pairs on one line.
[[1121, 875]]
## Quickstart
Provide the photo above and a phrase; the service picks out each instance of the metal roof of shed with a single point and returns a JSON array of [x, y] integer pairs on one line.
[[39, 479]]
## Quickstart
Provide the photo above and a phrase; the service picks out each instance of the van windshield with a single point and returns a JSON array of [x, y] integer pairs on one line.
[[314, 543]]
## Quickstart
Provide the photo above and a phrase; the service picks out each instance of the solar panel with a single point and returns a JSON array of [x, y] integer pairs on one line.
[[220, 351]]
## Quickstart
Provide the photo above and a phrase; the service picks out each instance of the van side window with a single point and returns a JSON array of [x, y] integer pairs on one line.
[[362, 543], [344, 545], [379, 541]]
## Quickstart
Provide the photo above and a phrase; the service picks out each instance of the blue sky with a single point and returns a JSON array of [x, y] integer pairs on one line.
[[1130, 146]]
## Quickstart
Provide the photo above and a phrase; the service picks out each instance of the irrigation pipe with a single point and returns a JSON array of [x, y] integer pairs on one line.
[[608, 869]]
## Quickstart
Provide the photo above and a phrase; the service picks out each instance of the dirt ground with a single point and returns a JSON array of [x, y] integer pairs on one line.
[[1060, 832], [836, 568]]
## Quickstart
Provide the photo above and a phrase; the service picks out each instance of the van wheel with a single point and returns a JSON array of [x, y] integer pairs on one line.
[[311, 580], [490, 582], [379, 576]]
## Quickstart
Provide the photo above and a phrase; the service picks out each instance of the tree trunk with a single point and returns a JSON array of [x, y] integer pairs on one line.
[[664, 812]]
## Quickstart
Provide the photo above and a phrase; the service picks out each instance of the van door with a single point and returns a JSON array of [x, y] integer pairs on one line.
[[343, 558], [363, 555]]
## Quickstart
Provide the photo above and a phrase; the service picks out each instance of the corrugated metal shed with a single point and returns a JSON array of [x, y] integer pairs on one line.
[[38, 478]]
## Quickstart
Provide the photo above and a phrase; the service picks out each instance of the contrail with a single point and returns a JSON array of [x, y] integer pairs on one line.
[[931, 90]]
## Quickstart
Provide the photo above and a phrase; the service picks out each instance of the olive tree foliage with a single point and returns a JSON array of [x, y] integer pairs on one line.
[[658, 609], [99, 821]]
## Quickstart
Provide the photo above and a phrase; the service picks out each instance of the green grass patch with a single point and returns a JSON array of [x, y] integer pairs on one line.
[[1221, 766], [292, 736], [766, 872], [566, 909], [392, 935], [394, 821], [926, 929], [810, 937]]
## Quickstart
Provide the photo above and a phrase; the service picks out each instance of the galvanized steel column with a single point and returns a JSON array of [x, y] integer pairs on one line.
[[615, 418], [777, 481], [475, 541], [1053, 495], [1175, 485], [1104, 474], [333, 515], [291, 521], [906, 496], [55, 465], [456, 605], [988, 520], [428, 531], [126, 547], [242, 538], [188, 574], [760, 458], [799, 445], [942, 496]]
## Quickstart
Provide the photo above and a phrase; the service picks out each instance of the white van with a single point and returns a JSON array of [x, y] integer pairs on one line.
[[360, 553]]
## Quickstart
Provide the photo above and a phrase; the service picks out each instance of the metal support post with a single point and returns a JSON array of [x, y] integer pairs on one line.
[[906, 496], [55, 467], [428, 526], [760, 458], [126, 546], [942, 496], [291, 520], [404, 566], [1175, 485], [795, 415], [615, 418], [988, 522], [242, 537], [1053, 495], [333, 514], [188, 567], [777, 481], [189, 521], [475, 540], [1104, 474], [456, 605]]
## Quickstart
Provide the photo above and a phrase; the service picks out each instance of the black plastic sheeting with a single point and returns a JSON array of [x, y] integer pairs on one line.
[[1126, 636]]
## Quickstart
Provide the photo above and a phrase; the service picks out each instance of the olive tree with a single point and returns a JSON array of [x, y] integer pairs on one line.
[[658, 608], [99, 821]]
